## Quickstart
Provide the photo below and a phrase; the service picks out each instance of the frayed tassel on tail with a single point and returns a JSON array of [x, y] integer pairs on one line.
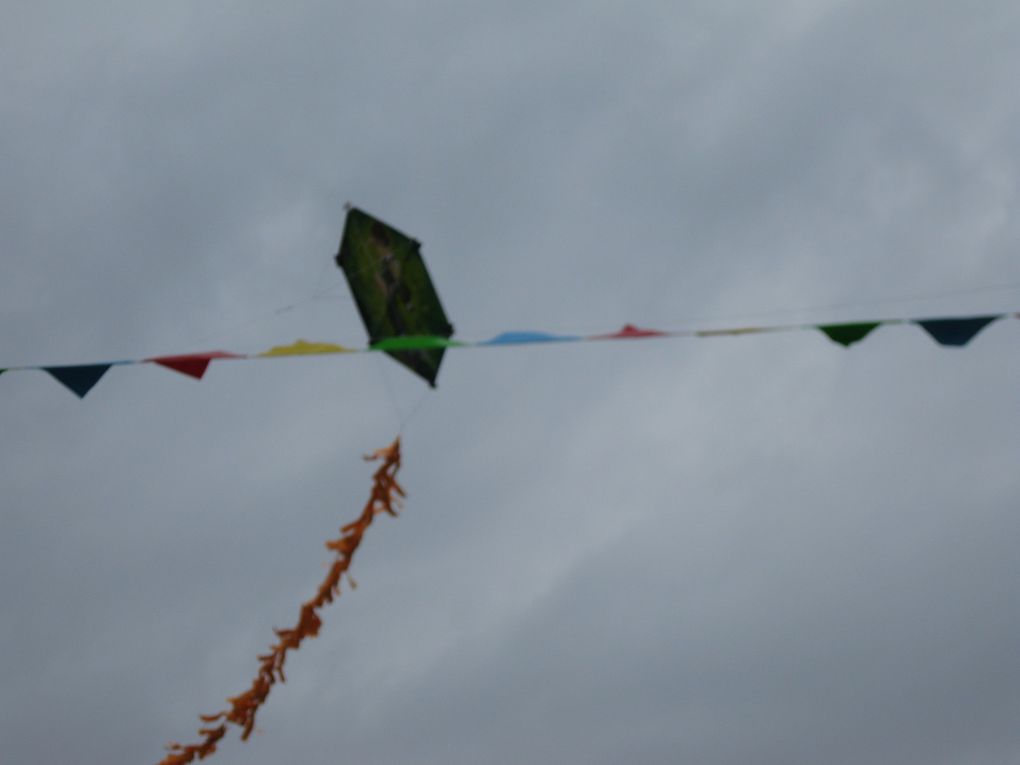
[[385, 498]]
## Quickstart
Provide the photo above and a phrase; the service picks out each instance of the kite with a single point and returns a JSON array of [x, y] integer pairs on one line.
[[394, 293], [404, 318]]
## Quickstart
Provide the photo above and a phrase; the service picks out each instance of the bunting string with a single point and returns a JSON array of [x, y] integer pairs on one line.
[[385, 498], [952, 331]]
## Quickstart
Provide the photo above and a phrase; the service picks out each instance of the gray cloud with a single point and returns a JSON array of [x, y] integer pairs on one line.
[[765, 548]]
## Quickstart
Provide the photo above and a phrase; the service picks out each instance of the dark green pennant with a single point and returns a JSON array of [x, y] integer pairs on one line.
[[847, 334]]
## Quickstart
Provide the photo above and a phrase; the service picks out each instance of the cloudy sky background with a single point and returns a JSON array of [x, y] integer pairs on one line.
[[765, 549]]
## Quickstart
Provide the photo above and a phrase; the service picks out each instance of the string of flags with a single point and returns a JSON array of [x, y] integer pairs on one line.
[[951, 331], [404, 318]]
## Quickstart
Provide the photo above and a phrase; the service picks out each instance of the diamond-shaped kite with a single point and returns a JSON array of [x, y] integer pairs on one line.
[[393, 291]]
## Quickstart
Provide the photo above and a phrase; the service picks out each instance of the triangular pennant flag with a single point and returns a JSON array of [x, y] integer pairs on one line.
[[736, 331], [192, 364], [304, 348], [847, 334], [79, 379], [414, 343], [630, 331], [517, 338], [956, 331]]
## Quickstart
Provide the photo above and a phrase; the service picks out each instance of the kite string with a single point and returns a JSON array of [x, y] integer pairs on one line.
[[323, 292], [390, 394], [414, 410], [385, 498]]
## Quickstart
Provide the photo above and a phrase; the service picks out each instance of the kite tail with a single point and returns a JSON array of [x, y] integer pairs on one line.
[[385, 498]]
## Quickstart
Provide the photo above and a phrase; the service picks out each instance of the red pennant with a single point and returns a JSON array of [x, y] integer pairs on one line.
[[192, 364], [629, 331]]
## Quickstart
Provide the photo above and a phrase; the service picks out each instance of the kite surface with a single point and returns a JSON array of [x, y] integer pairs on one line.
[[392, 290]]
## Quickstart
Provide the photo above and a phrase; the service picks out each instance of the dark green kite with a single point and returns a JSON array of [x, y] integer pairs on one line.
[[393, 292]]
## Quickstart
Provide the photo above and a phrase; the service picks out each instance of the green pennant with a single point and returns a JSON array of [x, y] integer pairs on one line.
[[847, 334], [414, 343]]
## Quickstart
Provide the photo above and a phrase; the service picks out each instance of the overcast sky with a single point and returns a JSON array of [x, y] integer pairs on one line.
[[764, 549]]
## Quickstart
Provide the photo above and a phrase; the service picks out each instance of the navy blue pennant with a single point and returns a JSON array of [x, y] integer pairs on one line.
[[956, 331], [79, 379]]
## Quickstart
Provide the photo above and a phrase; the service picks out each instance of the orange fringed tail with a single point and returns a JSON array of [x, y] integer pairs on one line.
[[385, 498]]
